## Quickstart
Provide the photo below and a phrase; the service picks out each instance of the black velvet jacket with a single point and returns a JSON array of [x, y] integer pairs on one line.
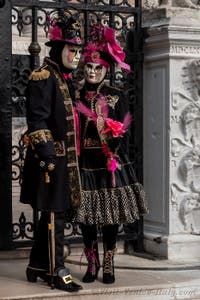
[[49, 121]]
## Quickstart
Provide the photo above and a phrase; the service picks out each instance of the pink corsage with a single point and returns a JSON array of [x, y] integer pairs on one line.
[[114, 127]]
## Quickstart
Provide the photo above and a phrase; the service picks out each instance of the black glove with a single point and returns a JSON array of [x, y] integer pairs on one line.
[[47, 156], [42, 142]]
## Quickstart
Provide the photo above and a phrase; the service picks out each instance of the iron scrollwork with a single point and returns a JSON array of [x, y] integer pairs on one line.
[[21, 229]]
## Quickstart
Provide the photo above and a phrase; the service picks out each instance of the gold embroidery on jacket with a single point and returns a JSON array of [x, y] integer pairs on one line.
[[112, 100], [59, 148], [71, 150], [42, 135], [40, 74]]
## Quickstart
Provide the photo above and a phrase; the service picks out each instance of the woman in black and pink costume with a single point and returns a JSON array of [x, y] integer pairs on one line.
[[111, 194]]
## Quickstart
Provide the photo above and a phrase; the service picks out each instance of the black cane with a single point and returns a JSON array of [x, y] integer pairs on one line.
[[51, 239]]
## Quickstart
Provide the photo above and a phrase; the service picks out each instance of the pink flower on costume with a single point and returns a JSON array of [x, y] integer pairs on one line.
[[112, 164], [114, 127]]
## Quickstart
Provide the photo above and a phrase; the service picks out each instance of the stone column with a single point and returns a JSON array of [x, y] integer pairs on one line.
[[172, 128]]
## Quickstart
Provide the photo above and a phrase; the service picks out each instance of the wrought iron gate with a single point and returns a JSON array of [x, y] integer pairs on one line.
[[23, 29]]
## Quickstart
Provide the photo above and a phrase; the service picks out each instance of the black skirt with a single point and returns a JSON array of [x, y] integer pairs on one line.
[[101, 202]]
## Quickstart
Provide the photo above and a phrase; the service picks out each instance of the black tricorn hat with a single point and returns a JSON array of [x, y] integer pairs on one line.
[[65, 31]]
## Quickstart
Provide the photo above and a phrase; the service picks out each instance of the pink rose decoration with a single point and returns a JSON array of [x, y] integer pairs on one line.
[[114, 127]]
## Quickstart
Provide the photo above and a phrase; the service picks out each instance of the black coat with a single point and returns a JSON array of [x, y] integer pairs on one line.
[[46, 111]]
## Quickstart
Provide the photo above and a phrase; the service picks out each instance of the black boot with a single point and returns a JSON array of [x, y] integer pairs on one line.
[[33, 273], [39, 260], [109, 246], [63, 281], [108, 267], [92, 256], [89, 233]]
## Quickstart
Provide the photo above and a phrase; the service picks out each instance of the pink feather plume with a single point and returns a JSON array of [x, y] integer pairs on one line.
[[55, 33], [127, 120], [86, 111]]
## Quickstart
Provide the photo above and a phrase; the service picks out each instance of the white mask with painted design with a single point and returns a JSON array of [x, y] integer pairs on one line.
[[71, 55], [94, 72]]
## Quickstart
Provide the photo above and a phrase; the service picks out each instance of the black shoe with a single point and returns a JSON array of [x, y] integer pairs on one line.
[[92, 256], [33, 273], [108, 267], [108, 278], [63, 281]]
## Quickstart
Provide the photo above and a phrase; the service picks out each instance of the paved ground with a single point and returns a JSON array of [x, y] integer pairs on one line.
[[136, 278]]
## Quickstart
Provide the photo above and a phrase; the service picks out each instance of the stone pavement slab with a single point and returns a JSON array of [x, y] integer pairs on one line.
[[136, 279]]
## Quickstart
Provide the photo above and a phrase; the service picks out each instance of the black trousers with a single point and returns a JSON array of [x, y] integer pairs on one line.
[[109, 232], [39, 256]]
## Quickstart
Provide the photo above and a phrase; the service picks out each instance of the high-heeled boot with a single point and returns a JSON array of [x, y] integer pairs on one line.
[[108, 266], [92, 256], [33, 273]]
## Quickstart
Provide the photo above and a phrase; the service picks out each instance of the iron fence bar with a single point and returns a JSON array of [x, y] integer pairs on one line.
[[111, 23], [138, 22], [5, 129], [34, 47], [2, 3], [134, 243], [83, 7], [86, 20]]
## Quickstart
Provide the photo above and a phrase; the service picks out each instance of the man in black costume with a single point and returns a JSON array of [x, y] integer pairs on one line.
[[51, 182]]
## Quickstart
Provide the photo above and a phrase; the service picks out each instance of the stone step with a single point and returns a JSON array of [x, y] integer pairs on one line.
[[75, 249], [139, 293], [136, 279]]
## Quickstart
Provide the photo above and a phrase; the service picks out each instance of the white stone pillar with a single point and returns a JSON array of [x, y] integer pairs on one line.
[[172, 129]]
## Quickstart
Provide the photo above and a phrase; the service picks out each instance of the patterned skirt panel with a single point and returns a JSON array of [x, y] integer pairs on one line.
[[101, 202]]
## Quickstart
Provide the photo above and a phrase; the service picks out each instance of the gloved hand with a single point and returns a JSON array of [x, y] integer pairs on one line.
[[42, 143], [48, 164], [47, 156]]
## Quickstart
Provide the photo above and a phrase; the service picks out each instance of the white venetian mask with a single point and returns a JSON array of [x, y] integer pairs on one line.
[[71, 56], [94, 72]]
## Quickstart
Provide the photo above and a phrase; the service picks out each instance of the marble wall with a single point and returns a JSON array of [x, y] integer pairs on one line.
[[171, 132]]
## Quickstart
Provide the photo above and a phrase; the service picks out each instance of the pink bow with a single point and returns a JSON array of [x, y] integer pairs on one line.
[[67, 76]]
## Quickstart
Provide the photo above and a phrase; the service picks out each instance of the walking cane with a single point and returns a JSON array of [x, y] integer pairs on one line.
[[51, 239]]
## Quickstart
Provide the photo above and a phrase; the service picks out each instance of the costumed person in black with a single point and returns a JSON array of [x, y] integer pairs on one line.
[[111, 194], [51, 179]]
